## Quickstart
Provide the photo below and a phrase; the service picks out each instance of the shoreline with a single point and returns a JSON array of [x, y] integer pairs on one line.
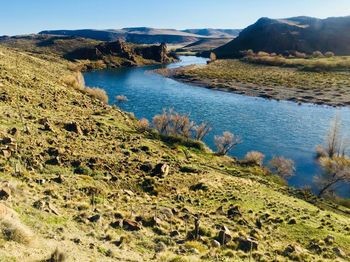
[[278, 93]]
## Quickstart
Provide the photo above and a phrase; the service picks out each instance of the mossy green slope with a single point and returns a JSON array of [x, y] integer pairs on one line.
[[82, 177]]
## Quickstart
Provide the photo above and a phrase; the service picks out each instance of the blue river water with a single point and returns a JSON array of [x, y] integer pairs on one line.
[[276, 128]]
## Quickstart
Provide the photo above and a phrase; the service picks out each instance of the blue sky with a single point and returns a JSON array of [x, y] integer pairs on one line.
[[31, 16]]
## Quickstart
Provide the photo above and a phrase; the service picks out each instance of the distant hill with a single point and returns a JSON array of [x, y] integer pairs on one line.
[[147, 35], [218, 33], [206, 44], [303, 34], [139, 35], [96, 53]]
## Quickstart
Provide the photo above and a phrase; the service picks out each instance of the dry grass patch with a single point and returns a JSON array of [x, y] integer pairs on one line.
[[11, 228]]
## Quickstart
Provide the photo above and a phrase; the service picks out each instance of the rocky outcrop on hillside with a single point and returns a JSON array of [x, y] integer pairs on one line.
[[303, 34], [130, 55]]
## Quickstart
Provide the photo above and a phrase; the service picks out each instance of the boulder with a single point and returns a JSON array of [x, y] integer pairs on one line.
[[339, 252], [131, 225], [224, 236], [233, 212], [5, 193], [73, 127], [215, 244], [329, 240], [161, 170], [246, 244], [95, 218], [146, 167]]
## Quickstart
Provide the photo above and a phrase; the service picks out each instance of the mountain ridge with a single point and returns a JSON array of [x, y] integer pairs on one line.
[[146, 35], [303, 34]]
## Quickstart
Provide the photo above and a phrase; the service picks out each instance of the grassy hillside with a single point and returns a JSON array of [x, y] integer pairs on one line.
[[79, 175]]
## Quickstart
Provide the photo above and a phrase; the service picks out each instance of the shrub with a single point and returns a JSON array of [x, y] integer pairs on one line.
[[261, 53], [11, 229], [299, 54], [255, 157], [226, 142], [173, 123], [75, 81], [329, 54], [213, 57], [121, 98], [282, 167], [317, 54], [143, 124], [202, 130], [97, 93], [335, 170]]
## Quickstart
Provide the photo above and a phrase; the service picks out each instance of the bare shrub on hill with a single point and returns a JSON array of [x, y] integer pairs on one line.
[[226, 142], [97, 93], [282, 167], [175, 124]]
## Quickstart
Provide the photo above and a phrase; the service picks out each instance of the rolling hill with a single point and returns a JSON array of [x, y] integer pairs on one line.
[[147, 35], [140, 35], [218, 33], [303, 34]]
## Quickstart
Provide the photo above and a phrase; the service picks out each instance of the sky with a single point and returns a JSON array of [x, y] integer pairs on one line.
[[32, 16]]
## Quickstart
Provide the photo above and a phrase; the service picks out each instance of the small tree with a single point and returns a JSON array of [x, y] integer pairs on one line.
[[335, 171], [213, 57], [202, 130], [255, 157], [317, 54], [143, 125], [335, 144], [329, 54], [161, 122], [226, 142], [282, 167]]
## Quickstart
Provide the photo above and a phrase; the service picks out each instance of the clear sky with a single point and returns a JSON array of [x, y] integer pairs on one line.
[[32, 16]]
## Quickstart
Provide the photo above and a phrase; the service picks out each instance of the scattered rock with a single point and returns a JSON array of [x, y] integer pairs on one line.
[[94, 219], [161, 170], [174, 233], [73, 127], [160, 247], [225, 236], [246, 244], [52, 208], [39, 204], [59, 179], [292, 221], [146, 167], [293, 250], [329, 240], [339, 252], [215, 244], [5, 193], [199, 186], [131, 225], [233, 212]]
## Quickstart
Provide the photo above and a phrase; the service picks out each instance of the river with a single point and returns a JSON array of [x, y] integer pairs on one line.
[[276, 128]]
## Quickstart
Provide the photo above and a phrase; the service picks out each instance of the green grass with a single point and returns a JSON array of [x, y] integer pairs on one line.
[[278, 82]]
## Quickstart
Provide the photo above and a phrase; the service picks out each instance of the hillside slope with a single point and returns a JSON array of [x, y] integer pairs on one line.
[[303, 34], [91, 53], [80, 176]]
